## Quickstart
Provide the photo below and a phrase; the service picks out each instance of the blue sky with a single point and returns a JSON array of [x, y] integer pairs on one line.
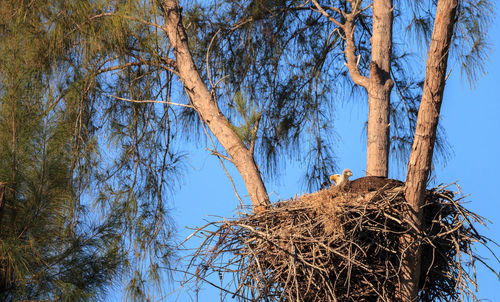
[[471, 118]]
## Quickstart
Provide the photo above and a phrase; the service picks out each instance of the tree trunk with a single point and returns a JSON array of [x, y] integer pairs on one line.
[[379, 83], [425, 135], [379, 90], [207, 107]]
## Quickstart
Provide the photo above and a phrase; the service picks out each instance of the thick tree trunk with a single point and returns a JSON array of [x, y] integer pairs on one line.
[[379, 83], [425, 135], [207, 107], [379, 90]]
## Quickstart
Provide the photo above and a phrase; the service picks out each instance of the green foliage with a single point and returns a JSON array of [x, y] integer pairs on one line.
[[247, 130], [125, 161], [49, 249], [471, 46]]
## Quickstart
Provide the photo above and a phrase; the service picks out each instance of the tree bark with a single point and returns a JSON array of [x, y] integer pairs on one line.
[[207, 107], [379, 90], [378, 84], [425, 135]]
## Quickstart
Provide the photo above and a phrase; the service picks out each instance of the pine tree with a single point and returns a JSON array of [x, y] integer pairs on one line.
[[50, 248], [119, 159]]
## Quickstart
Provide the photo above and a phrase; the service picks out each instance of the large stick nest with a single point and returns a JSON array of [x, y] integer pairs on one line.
[[340, 246]]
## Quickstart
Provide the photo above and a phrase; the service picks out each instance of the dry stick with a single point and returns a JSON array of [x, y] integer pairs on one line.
[[207, 58], [257, 262], [148, 101], [209, 282], [222, 163]]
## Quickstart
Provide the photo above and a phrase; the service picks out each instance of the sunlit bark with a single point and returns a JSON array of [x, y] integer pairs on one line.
[[207, 108], [419, 164]]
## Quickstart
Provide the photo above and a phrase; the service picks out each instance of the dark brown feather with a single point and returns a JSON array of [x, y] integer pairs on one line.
[[373, 183]]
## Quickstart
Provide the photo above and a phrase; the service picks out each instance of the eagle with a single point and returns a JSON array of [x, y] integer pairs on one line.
[[373, 183], [342, 181], [335, 178]]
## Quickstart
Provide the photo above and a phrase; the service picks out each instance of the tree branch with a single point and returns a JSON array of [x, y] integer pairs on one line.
[[217, 153], [141, 63], [324, 13], [350, 52], [206, 105], [350, 49], [149, 101], [419, 163]]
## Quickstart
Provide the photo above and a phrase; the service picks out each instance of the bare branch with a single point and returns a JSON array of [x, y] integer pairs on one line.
[[217, 153], [119, 67], [149, 101], [220, 80], [324, 13], [337, 10], [350, 53], [208, 58], [365, 8], [141, 63], [168, 61], [348, 28]]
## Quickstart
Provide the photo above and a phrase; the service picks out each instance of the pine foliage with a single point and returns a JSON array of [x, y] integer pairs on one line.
[[50, 247], [123, 161]]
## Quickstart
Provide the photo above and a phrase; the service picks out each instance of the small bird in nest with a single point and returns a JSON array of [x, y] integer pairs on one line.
[[341, 181]]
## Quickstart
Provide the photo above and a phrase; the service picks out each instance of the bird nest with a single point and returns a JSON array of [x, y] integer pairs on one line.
[[340, 246]]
